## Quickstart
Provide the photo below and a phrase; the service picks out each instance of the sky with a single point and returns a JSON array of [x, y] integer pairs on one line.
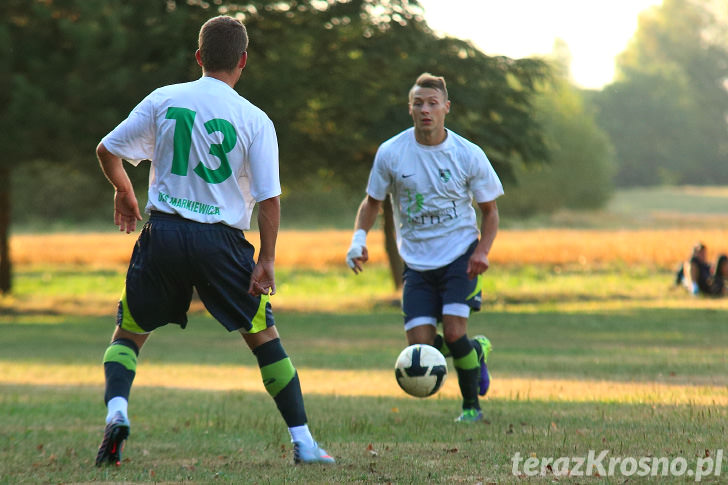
[[595, 30]]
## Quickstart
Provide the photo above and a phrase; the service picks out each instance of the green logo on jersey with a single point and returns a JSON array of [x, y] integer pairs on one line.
[[445, 175], [414, 204]]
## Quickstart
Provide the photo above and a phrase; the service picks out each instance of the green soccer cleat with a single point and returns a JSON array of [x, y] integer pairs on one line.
[[310, 454], [470, 416], [483, 349], [115, 435]]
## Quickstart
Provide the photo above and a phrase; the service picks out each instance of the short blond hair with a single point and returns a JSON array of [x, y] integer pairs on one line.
[[427, 80]]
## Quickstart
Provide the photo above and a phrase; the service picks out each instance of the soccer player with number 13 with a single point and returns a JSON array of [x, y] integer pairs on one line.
[[214, 156]]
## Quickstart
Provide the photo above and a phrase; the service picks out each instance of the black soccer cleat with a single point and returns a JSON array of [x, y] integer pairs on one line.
[[115, 434]]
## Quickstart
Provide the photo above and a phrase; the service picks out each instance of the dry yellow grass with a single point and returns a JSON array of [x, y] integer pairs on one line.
[[311, 249], [323, 249], [366, 383]]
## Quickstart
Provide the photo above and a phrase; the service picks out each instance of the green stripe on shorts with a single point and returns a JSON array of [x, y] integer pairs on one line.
[[478, 287], [127, 321], [259, 321]]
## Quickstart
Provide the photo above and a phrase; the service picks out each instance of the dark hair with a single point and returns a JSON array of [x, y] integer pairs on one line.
[[427, 80], [222, 41]]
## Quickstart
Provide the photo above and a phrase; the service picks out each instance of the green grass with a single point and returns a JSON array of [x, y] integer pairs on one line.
[[522, 288], [590, 330], [330, 208], [50, 436], [640, 208], [609, 325], [680, 199], [635, 345]]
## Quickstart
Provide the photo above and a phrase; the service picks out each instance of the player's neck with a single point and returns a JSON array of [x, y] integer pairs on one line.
[[228, 77], [430, 138]]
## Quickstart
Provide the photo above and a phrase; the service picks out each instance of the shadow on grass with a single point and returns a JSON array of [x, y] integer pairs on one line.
[[656, 345]]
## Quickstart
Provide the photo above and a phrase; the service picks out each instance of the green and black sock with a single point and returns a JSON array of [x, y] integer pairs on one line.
[[120, 362], [440, 345], [281, 381], [467, 366]]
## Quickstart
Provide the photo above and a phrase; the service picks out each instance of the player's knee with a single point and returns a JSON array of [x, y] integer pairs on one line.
[[255, 340], [454, 327], [453, 333]]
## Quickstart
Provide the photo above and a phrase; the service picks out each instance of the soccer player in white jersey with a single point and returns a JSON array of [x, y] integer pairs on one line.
[[213, 156], [433, 175]]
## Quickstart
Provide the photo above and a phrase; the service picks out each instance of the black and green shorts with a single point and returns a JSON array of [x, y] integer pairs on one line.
[[172, 256]]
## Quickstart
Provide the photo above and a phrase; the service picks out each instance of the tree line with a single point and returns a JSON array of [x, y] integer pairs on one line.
[[666, 110], [334, 77]]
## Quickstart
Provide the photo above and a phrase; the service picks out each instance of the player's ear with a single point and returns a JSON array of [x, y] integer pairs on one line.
[[198, 56], [243, 60], [447, 106]]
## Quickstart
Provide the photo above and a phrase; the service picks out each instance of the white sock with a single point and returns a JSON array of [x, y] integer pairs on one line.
[[301, 434], [116, 404]]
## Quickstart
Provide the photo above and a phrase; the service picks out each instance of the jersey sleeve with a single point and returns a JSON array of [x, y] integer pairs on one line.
[[263, 156], [484, 182], [380, 179], [133, 138]]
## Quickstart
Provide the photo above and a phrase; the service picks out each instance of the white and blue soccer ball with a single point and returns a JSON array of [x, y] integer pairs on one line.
[[420, 370]]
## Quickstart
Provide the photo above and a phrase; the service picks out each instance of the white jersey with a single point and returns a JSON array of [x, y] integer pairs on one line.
[[432, 191], [214, 154]]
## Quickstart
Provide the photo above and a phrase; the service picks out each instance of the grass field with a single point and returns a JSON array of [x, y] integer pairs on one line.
[[595, 350], [638, 382]]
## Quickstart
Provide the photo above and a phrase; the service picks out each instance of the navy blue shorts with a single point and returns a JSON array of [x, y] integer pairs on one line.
[[427, 295], [171, 256]]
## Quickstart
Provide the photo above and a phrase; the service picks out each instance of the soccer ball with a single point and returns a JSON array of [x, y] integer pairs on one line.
[[420, 370]]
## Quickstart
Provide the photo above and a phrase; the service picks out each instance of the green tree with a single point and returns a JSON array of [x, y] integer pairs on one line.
[[74, 69], [580, 173], [333, 76], [666, 112], [343, 73]]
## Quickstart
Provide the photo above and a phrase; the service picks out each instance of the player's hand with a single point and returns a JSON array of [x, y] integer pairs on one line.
[[356, 257], [262, 280], [477, 264], [357, 254], [126, 211]]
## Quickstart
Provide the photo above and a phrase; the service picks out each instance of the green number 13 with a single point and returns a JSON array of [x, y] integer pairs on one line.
[[184, 119]]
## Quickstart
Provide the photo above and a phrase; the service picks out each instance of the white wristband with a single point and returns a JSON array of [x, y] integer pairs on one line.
[[359, 238], [358, 241]]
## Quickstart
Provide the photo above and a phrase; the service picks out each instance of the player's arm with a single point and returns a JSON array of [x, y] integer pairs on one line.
[[366, 216], [478, 262], [694, 276], [126, 207], [262, 281]]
